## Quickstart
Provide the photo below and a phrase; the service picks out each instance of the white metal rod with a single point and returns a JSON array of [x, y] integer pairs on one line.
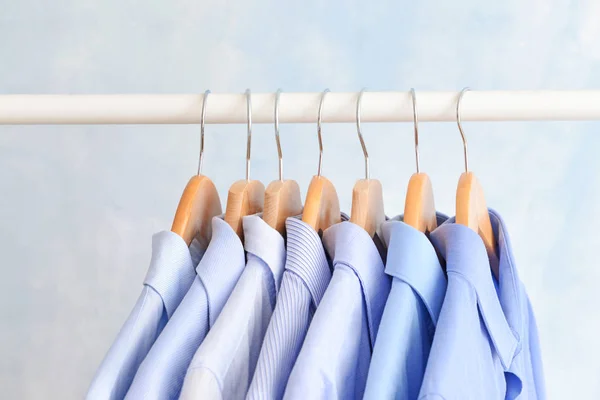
[[298, 107]]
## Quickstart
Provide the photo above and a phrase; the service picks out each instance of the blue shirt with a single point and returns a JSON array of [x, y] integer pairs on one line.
[[169, 277], [410, 314], [485, 344], [224, 363], [307, 274], [334, 359], [161, 374]]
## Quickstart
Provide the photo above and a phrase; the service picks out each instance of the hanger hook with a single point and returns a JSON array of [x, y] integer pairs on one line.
[[249, 142], [416, 125], [360, 136], [277, 139], [462, 134], [202, 117], [319, 117]]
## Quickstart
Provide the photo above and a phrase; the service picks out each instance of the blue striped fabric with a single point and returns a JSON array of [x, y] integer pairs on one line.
[[334, 360], [307, 274], [161, 374], [169, 277]]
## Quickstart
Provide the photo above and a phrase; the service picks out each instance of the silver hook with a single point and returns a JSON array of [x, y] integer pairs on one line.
[[462, 134], [249, 142], [416, 124], [202, 117], [319, 131], [360, 136], [280, 155]]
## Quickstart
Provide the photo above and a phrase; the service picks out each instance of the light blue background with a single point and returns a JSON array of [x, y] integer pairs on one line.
[[78, 204]]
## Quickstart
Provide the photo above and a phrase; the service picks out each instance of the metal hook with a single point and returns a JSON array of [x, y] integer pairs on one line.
[[249, 141], [416, 125], [462, 134], [202, 117], [277, 139], [319, 131], [360, 136]]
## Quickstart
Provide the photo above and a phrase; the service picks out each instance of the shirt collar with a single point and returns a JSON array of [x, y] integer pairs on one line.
[[350, 245], [171, 269], [306, 257], [266, 243], [466, 256], [509, 284], [412, 258], [221, 266]]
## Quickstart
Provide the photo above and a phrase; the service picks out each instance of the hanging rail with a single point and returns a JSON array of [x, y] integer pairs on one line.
[[298, 107]]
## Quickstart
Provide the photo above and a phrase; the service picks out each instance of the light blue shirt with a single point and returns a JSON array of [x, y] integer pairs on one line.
[[334, 359], [410, 314], [161, 374], [307, 274], [485, 344], [224, 363], [169, 277]]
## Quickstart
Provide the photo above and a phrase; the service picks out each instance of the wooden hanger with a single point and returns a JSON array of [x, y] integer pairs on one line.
[[419, 207], [282, 197], [367, 194], [199, 202], [322, 206], [471, 208], [245, 197]]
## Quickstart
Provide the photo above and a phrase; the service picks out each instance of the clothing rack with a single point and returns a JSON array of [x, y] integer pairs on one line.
[[298, 107]]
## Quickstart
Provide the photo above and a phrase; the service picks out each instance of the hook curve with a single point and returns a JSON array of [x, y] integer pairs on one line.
[[277, 138], [202, 118], [360, 135], [416, 125], [319, 119], [462, 133], [249, 139]]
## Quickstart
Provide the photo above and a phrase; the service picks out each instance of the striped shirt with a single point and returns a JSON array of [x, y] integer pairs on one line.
[[306, 276]]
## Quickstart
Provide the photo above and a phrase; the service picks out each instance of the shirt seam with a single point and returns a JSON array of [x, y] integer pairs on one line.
[[134, 326], [365, 301], [515, 286], [271, 280], [312, 299], [427, 395], [496, 345]]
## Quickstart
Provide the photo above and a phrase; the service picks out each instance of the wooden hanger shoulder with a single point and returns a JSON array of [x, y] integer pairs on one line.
[[419, 207], [471, 211], [322, 206], [282, 200], [198, 204], [244, 198], [367, 205]]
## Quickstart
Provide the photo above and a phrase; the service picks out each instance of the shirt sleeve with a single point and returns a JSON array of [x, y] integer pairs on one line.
[[161, 373], [133, 342], [200, 383]]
